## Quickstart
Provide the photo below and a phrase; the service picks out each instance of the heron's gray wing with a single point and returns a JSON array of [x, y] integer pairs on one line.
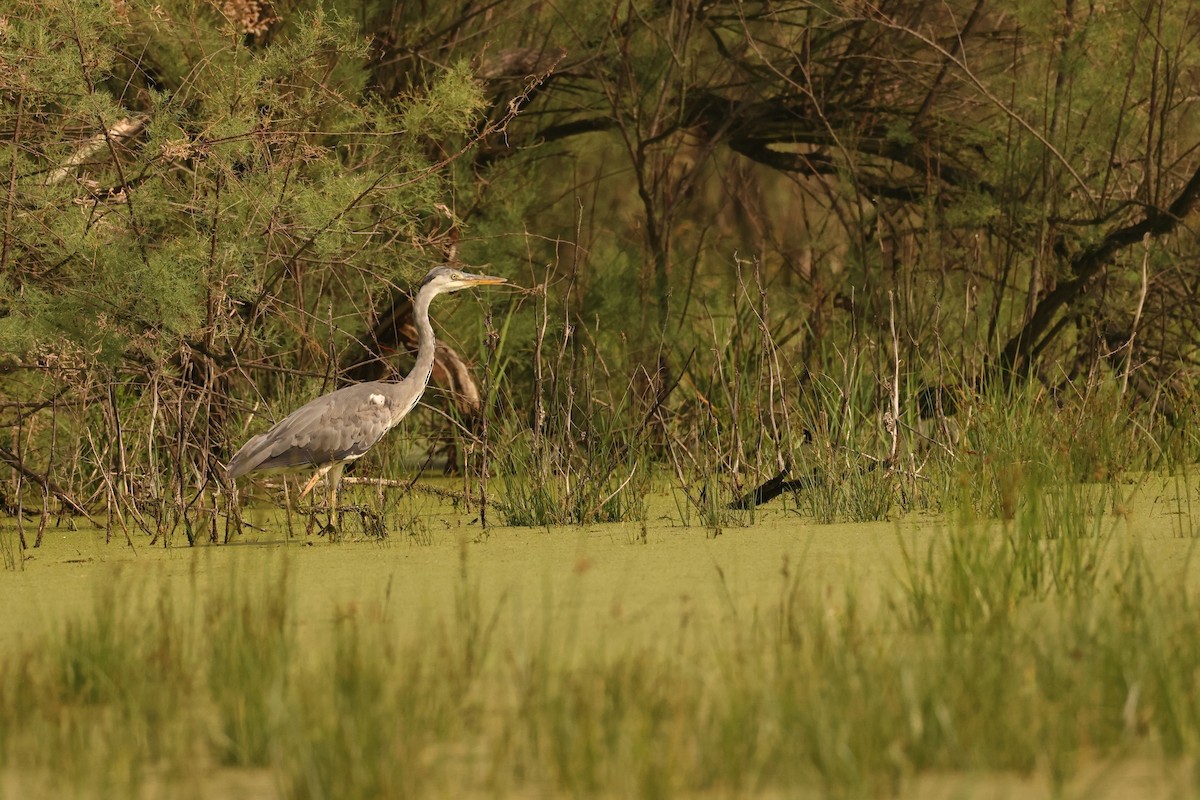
[[339, 426]]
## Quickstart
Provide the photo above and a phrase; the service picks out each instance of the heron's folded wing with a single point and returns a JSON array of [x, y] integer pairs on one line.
[[336, 427]]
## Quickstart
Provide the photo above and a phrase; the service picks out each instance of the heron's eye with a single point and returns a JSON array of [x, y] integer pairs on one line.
[[457, 276]]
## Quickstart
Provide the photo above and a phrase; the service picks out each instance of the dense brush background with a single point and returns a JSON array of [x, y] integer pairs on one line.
[[904, 255]]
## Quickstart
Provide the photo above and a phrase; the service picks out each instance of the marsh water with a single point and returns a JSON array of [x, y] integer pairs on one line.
[[606, 588], [620, 581], [624, 580]]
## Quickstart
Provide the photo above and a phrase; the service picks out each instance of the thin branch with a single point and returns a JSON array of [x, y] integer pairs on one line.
[[14, 461]]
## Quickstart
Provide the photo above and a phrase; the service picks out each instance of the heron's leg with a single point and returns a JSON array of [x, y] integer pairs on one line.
[[334, 478], [308, 487]]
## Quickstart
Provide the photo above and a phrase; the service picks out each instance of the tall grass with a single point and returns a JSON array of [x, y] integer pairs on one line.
[[997, 649], [733, 403], [580, 455], [584, 427], [579, 479]]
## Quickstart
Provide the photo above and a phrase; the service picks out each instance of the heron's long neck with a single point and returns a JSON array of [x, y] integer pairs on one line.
[[425, 341], [414, 384]]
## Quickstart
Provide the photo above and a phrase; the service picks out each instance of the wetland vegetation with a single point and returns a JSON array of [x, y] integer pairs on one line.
[[918, 658], [838, 439]]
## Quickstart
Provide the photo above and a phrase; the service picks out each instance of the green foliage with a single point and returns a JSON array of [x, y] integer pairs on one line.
[[250, 153], [756, 254], [177, 194], [754, 234], [450, 106]]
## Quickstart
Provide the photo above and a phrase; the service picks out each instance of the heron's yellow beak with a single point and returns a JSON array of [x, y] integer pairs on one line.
[[485, 280]]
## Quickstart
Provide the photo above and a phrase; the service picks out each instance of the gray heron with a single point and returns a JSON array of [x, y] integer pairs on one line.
[[337, 428]]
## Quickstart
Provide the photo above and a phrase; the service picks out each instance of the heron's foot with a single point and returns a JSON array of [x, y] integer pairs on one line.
[[331, 527], [370, 522]]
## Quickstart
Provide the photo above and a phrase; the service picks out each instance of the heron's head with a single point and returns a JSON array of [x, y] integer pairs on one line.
[[448, 279]]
